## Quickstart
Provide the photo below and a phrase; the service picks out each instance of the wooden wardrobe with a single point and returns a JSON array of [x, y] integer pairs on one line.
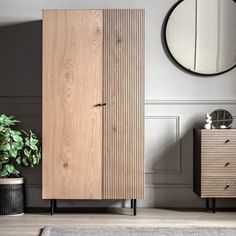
[[93, 104]]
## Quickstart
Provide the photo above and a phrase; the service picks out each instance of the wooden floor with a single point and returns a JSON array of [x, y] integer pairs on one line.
[[31, 224]]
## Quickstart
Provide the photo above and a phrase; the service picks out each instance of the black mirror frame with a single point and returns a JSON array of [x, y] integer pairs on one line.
[[165, 45]]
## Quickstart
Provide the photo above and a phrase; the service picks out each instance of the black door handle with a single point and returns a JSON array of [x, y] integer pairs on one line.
[[227, 163], [100, 105], [227, 186]]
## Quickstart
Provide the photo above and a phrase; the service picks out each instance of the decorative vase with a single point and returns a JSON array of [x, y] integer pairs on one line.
[[208, 124], [11, 196]]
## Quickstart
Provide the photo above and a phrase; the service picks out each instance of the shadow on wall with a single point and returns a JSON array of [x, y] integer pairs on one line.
[[21, 60], [166, 157], [20, 81], [173, 165]]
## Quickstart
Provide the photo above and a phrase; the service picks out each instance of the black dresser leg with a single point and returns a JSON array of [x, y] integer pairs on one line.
[[207, 204], [214, 205], [134, 207], [52, 203]]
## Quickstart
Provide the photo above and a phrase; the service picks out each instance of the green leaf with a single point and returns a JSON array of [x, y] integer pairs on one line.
[[39, 156], [13, 153], [4, 158], [17, 138], [16, 172], [34, 141], [5, 147], [7, 121], [35, 160], [17, 146], [18, 160], [10, 168], [27, 152], [25, 162], [27, 142], [3, 173], [32, 134], [33, 146], [16, 135]]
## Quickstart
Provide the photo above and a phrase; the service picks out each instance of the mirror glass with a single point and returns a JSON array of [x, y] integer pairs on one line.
[[221, 119], [201, 35]]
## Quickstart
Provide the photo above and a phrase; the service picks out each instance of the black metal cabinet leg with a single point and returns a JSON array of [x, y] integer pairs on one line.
[[207, 204], [214, 205], [131, 203], [53, 203], [134, 207]]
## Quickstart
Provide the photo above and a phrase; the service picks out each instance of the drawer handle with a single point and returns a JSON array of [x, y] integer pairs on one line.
[[227, 186], [100, 104], [227, 163], [227, 141]]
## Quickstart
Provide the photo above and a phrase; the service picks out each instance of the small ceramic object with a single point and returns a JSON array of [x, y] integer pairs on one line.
[[222, 127], [208, 122]]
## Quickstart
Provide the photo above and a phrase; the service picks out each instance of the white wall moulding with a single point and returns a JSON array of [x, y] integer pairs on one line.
[[170, 185], [162, 147], [190, 102], [38, 100]]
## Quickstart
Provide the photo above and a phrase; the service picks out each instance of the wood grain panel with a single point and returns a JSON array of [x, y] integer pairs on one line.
[[218, 141], [218, 186], [72, 85], [123, 132], [219, 149], [224, 165], [217, 134]]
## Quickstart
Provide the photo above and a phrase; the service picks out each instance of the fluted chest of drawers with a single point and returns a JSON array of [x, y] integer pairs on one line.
[[214, 169]]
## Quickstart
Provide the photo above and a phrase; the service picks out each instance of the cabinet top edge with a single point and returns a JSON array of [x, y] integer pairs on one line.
[[103, 9], [215, 130]]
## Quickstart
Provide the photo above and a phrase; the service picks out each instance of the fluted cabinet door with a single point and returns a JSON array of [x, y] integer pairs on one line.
[[123, 91], [72, 85]]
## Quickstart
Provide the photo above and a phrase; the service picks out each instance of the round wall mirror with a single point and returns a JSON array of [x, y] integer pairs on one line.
[[200, 35]]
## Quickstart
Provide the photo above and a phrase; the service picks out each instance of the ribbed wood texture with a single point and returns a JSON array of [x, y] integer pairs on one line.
[[218, 163], [218, 152], [220, 186], [123, 117], [72, 85]]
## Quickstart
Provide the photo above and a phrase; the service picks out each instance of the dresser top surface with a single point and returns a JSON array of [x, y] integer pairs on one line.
[[215, 130]]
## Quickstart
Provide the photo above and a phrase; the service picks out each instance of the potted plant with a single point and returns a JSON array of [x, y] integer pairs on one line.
[[17, 148]]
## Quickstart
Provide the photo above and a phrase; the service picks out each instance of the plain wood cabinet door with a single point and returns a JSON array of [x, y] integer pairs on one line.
[[93, 104], [72, 85]]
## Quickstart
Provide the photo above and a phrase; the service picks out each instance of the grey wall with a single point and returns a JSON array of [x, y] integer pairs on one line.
[[175, 100]]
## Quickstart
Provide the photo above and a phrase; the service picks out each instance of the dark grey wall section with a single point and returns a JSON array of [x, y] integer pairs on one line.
[[21, 59], [21, 83]]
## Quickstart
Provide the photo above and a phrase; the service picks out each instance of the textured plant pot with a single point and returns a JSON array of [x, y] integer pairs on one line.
[[11, 196]]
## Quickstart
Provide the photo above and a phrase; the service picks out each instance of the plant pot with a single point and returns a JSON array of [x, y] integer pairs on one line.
[[11, 196]]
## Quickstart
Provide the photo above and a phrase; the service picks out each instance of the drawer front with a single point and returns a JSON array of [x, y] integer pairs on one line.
[[216, 134], [217, 186], [219, 141], [223, 164]]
